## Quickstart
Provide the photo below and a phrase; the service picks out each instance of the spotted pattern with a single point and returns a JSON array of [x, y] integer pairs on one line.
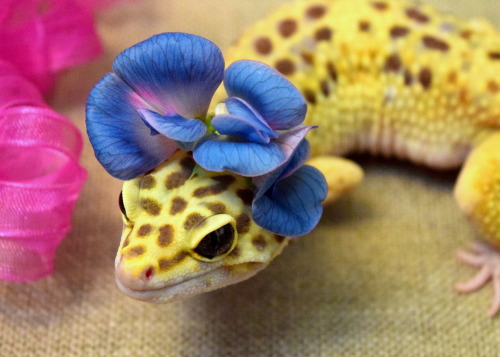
[[435, 43], [166, 264], [147, 182], [194, 219], [179, 204], [332, 71], [417, 15], [364, 26], [216, 207], [166, 235], [393, 63], [246, 195], [316, 12], [285, 66], [136, 251], [380, 6], [308, 57], [287, 27], [242, 223], [263, 45], [323, 34], [222, 183], [399, 31], [144, 230], [494, 56], [151, 206], [309, 95], [259, 242], [425, 77]]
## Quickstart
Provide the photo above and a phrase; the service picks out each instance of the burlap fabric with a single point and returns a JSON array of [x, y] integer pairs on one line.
[[374, 279]]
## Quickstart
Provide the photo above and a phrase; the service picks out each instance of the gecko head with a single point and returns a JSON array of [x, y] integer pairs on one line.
[[186, 234], [197, 222]]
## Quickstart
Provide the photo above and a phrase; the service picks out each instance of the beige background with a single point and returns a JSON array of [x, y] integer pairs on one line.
[[374, 279]]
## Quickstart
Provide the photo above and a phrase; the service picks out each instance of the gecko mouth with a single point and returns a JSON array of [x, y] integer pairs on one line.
[[205, 282]]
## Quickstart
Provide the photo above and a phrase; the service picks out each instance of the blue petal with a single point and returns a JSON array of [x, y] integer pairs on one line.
[[173, 72], [293, 206], [228, 153], [242, 127], [238, 107], [174, 126], [265, 182], [122, 142], [272, 95]]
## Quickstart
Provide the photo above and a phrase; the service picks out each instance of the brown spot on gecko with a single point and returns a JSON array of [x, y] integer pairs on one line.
[[408, 77], [323, 34], [166, 235], [144, 230], [316, 12], [216, 207], [417, 15], [179, 204], [279, 238], [466, 34], [425, 77], [166, 264], [147, 182], [392, 63], [493, 87], [309, 95], [135, 252], [242, 223], [222, 182], [192, 220], [399, 31], [285, 66], [332, 71], [452, 77], [364, 26], [246, 196], [287, 27], [259, 242], [494, 56], [263, 45], [151, 206], [325, 88], [308, 57], [379, 5], [176, 180], [235, 253], [435, 43]]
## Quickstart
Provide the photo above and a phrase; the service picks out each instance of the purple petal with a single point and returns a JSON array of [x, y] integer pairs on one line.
[[278, 101], [122, 142], [293, 206], [174, 126], [173, 72], [228, 153]]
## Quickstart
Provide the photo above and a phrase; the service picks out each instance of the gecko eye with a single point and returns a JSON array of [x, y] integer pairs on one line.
[[122, 206], [216, 243]]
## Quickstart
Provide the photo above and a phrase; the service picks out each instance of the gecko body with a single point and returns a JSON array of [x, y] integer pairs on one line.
[[384, 77]]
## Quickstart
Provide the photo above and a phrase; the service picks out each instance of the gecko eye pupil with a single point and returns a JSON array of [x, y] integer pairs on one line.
[[122, 206], [216, 243]]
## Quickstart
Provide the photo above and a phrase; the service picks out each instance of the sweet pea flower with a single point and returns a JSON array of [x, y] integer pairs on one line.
[[140, 114], [287, 201], [258, 126]]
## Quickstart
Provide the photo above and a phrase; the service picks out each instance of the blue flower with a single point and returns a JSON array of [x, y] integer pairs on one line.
[[287, 201], [260, 124], [162, 85]]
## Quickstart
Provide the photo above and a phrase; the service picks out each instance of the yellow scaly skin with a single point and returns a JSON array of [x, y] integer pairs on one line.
[[385, 77]]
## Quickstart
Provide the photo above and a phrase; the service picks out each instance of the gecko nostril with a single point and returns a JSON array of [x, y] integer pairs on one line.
[[148, 274]]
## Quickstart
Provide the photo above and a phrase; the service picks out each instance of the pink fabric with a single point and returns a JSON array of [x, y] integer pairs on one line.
[[42, 37], [40, 178]]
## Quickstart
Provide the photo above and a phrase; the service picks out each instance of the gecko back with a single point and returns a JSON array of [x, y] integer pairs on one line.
[[385, 77]]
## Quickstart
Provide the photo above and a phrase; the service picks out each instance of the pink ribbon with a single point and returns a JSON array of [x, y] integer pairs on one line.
[[40, 178]]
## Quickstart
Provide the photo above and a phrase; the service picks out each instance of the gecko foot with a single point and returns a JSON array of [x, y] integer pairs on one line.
[[487, 260]]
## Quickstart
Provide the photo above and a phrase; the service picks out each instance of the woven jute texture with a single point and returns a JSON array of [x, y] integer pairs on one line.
[[374, 279]]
